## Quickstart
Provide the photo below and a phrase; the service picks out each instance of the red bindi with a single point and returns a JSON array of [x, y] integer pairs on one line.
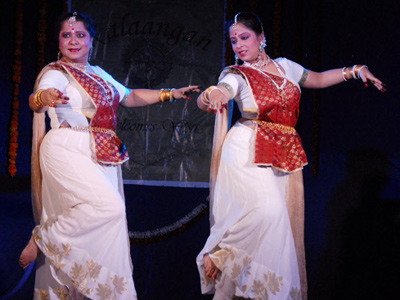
[[235, 33]]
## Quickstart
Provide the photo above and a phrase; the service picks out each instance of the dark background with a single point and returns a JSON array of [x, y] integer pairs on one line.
[[350, 134]]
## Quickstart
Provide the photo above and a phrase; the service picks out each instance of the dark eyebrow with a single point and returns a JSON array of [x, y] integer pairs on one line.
[[69, 32], [236, 36]]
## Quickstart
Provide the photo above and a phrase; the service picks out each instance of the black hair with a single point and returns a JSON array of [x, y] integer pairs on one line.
[[248, 19], [87, 22]]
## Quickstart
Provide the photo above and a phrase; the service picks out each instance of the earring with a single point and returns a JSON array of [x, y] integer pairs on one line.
[[59, 55], [260, 50], [236, 59], [260, 47], [264, 42]]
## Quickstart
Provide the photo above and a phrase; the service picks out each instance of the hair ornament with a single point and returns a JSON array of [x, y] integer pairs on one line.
[[72, 20], [235, 24]]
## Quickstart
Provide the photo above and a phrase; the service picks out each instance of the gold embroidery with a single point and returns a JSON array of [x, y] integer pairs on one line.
[[303, 77], [274, 282], [258, 287], [36, 236], [119, 284], [43, 295], [52, 249], [77, 272], [284, 128], [92, 129], [236, 270], [63, 294], [94, 269], [229, 88], [80, 275], [103, 291], [49, 223]]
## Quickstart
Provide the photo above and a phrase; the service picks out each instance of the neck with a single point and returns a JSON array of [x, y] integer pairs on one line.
[[85, 63], [262, 60], [83, 66]]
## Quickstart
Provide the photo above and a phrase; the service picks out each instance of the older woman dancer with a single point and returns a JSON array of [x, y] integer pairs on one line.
[[82, 231], [251, 252]]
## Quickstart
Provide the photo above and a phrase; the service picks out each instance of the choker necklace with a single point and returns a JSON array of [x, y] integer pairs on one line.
[[260, 64]]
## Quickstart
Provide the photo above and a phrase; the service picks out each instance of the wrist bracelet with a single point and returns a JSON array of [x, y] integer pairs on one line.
[[37, 99], [166, 94], [344, 72]]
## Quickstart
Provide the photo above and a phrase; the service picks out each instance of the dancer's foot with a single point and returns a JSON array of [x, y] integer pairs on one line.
[[209, 267], [29, 254]]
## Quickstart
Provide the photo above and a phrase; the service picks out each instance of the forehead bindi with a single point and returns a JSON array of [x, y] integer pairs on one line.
[[239, 34], [238, 30], [77, 26]]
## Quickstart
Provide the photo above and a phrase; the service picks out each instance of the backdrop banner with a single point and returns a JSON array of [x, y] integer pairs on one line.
[[161, 44]]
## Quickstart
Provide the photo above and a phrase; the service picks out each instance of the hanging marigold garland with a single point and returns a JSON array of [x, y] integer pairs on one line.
[[13, 133]]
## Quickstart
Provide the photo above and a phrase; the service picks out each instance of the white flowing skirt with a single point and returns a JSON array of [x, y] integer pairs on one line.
[[83, 231], [251, 241]]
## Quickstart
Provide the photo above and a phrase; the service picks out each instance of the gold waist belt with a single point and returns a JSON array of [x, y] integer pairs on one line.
[[90, 129], [284, 128]]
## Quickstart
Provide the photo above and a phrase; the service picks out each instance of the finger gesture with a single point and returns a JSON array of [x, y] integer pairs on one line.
[[366, 75], [51, 97], [184, 91]]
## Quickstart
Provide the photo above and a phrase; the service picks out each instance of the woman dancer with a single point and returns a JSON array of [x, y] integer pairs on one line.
[[82, 230], [251, 251]]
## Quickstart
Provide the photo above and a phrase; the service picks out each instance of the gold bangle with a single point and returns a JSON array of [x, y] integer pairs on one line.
[[204, 100], [350, 69], [354, 72], [357, 70], [171, 95], [164, 95], [37, 99], [344, 73], [209, 90]]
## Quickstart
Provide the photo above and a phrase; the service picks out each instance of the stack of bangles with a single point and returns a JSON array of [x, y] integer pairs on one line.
[[205, 96], [166, 95], [352, 72], [37, 99]]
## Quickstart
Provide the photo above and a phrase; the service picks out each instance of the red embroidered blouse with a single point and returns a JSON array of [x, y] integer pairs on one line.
[[277, 142], [109, 150]]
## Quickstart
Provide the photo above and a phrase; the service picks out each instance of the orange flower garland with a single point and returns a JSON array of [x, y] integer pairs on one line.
[[13, 135]]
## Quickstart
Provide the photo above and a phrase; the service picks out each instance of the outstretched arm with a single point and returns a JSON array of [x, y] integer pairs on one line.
[[40, 101], [143, 97], [328, 78]]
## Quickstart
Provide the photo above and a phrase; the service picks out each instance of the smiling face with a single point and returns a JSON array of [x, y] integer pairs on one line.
[[245, 42], [75, 42]]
